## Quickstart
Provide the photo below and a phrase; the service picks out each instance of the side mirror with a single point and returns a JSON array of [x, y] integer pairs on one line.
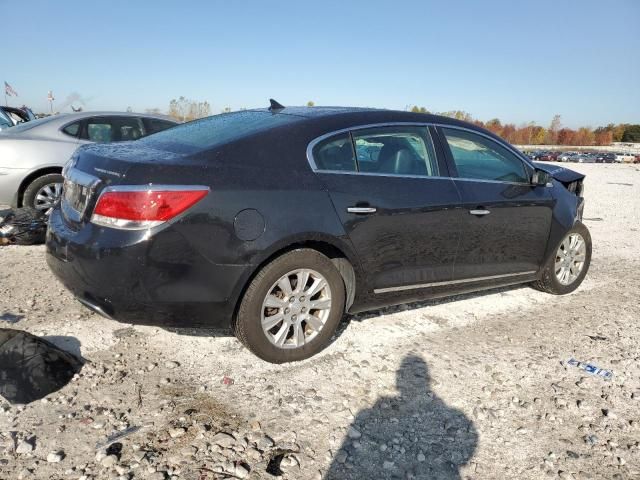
[[540, 178]]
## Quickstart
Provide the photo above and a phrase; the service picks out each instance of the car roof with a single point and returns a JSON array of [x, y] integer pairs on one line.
[[333, 118], [378, 113]]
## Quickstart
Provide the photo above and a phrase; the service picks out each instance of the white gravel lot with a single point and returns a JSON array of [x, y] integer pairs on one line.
[[471, 387]]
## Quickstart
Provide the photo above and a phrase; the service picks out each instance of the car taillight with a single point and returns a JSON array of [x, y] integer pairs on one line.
[[137, 208]]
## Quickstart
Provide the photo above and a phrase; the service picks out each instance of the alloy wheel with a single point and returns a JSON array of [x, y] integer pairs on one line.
[[48, 196], [570, 258], [296, 308]]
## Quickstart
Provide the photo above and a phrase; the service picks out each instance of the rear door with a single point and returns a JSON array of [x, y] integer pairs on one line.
[[396, 202], [507, 219]]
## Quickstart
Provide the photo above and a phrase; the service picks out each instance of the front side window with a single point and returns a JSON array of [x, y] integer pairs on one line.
[[335, 154], [477, 157], [155, 125], [128, 128], [395, 151]]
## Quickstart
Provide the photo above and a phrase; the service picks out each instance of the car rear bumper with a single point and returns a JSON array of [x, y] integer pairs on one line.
[[130, 276]]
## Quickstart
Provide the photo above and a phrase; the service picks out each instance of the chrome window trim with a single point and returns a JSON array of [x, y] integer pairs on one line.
[[503, 144], [450, 282]]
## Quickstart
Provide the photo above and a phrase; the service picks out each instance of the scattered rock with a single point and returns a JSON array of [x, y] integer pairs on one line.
[[177, 432], [223, 440], [55, 457], [24, 447]]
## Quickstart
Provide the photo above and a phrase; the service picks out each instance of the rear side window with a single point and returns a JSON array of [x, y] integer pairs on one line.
[[335, 153], [396, 151], [477, 157]]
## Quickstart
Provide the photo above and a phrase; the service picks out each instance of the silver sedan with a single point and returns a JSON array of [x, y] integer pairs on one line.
[[32, 154]]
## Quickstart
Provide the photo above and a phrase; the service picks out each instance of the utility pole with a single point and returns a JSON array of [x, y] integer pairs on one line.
[[51, 99]]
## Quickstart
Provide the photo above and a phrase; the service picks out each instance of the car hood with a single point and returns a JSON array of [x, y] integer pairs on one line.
[[561, 174]]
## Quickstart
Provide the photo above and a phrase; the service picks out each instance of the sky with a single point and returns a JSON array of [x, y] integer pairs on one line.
[[518, 61]]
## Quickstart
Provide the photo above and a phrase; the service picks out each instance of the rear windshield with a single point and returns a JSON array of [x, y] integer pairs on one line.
[[216, 130]]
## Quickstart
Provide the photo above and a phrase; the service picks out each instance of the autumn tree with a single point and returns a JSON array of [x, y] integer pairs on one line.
[[539, 135], [186, 110], [631, 134], [417, 109], [179, 108], [554, 130], [311, 103], [494, 125]]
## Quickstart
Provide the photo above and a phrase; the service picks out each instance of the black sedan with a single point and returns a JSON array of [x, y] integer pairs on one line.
[[278, 221]]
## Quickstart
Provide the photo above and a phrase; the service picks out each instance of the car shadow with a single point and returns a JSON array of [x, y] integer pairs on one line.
[[358, 317], [348, 318], [412, 435]]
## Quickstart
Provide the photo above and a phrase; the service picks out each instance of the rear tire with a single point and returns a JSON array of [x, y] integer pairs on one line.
[[302, 338], [562, 283], [43, 192]]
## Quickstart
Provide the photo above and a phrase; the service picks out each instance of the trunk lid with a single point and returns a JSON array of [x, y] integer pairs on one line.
[[95, 167]]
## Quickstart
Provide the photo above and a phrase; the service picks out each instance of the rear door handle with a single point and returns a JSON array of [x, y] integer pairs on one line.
[[479, 212], [362, 209]]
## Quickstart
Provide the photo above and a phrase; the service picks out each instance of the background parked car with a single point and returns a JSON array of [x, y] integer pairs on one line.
[[32, 154], [625, 157], [547, 156], [18, 115], [566, 156], [584, 158], [5, 120], [606, 158]]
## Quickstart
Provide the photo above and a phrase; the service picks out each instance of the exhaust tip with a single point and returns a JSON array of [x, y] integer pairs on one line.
[[93, 306]]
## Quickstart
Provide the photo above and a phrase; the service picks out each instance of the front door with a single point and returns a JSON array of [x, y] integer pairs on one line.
[[507, 221], [399, 208]]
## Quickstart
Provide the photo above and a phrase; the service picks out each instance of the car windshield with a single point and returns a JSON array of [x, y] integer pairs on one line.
[[216, 130]]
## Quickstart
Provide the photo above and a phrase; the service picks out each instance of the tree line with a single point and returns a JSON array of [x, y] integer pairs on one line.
[[554, 134]]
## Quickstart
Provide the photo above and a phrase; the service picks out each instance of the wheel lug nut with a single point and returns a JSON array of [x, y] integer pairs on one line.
[[294, 317], [302, 299], [292, 299], [304, 310], [287, 310]]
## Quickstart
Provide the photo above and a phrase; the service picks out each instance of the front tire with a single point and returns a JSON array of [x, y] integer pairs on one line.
[[292, 307], [565, 271], [43, 192]]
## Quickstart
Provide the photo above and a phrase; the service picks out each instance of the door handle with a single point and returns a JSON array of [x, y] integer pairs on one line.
[[362, 209], [479, 212]]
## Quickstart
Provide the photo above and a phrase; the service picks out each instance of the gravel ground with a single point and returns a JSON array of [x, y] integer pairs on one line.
[[477, 386]]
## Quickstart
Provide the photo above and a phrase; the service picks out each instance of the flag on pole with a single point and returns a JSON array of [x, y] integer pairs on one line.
[[8, 90]]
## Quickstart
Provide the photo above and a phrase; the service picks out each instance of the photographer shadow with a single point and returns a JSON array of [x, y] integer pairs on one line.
[[412, 435]]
